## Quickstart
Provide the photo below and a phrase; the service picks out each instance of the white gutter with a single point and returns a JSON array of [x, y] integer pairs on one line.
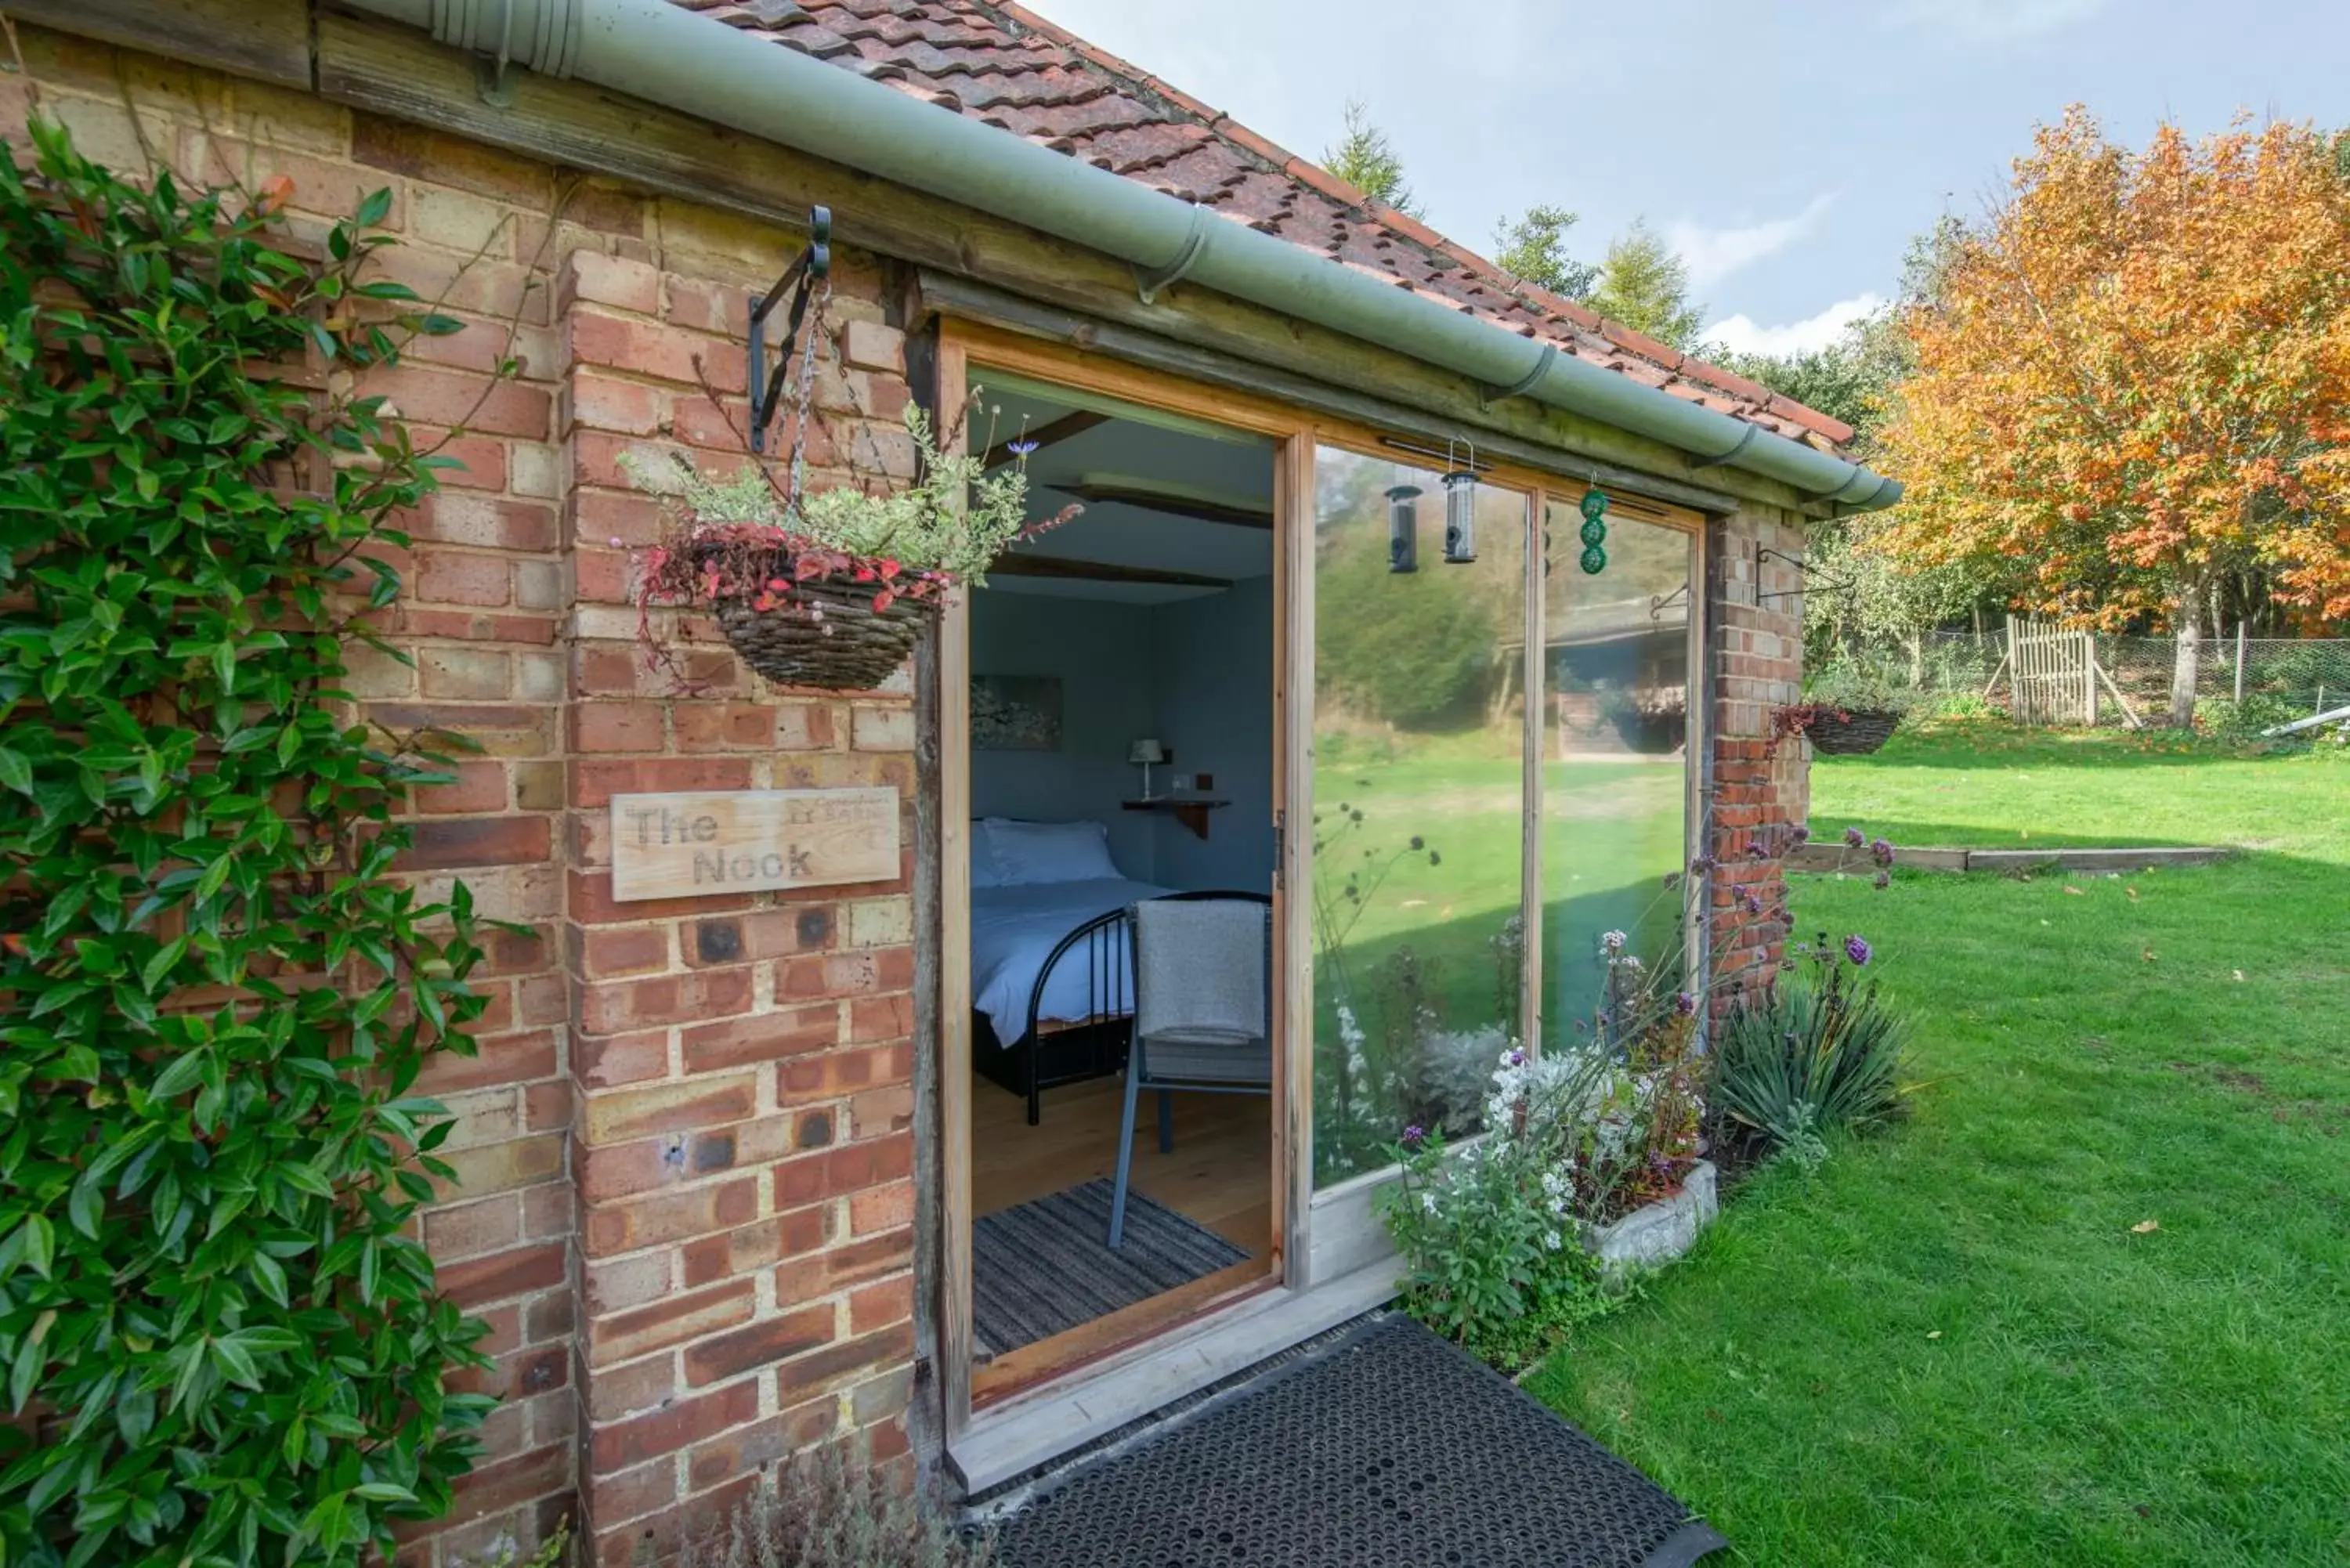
[[653, 50]]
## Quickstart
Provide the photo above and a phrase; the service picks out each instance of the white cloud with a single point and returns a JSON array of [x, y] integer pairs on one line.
[[1739, 335], [1713, 255], [1995, 21]]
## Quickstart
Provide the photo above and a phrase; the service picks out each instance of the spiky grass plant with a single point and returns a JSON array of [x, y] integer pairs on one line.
[[1816, 1054]]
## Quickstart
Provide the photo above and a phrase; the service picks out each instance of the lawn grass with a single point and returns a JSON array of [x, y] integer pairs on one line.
[[1951, 1346]]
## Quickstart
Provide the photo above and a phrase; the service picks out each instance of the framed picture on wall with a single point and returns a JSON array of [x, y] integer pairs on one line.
[[1015, 713]]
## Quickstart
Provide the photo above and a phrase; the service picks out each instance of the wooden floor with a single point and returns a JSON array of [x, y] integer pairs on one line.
[[1219, 1176]]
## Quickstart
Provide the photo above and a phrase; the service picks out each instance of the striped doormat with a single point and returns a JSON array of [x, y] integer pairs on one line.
[[1042, 1267]]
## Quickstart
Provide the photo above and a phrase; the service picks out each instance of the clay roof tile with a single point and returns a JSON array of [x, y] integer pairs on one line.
[[998, 62]]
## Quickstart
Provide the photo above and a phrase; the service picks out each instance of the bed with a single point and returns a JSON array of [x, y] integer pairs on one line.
[[1052, 976]]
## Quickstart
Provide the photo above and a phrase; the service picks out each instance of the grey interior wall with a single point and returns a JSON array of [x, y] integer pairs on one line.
[[1196, 674], [1211, 679], [1102, 654]]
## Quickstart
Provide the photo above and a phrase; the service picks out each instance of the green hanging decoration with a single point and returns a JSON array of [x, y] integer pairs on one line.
[[1595, 532]]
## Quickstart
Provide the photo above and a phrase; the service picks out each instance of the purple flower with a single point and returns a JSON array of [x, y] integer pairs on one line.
[[1685, 1004], [1414, 1136], [1517, 1058], [1702, 864], [1854, 838], [1883, 880], [1856, 949], [1756, 852], [1754, 902], [1802, 832], [1020, 448], [1881, 851]]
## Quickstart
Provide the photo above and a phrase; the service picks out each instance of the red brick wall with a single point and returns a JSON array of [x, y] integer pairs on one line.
[[744, 1152], [684, 1148], [1755, 649]]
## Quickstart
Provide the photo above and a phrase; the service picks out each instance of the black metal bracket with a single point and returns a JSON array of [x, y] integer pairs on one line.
[[814, 265], [1803, 570], [1658, 602]]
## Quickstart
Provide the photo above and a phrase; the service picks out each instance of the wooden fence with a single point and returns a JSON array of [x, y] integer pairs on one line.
[[2053, 676]]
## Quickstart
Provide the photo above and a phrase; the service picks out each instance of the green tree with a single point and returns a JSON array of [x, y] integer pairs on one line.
[[1644, 285], [1534, 248], [1365, 158]]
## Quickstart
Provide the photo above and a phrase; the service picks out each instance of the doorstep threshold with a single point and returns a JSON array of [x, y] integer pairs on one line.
[[1007, 1440]]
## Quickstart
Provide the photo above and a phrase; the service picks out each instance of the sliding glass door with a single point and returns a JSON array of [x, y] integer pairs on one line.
[[1618, 713], [1419, 802]]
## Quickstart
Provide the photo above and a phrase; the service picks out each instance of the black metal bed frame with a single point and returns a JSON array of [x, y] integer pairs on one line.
[[1095, 1046]]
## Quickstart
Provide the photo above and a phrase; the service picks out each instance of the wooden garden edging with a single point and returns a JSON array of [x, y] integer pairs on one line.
[[1831, 857]]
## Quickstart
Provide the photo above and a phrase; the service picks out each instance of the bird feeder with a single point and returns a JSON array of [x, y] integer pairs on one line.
[[1460, 511], [1403, 529]]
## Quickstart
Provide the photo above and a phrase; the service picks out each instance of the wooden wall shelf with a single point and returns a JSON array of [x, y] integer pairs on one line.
[[1191, 811]]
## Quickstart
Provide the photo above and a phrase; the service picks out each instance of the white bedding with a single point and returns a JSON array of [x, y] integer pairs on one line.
[[1013, 930]]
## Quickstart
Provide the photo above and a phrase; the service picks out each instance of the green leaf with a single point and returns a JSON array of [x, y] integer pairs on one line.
[[40, 1244], [179, 1075], [15, 772]]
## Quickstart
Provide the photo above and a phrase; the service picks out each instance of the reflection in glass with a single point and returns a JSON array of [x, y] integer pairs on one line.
[[1419, 786], [1615, 727]]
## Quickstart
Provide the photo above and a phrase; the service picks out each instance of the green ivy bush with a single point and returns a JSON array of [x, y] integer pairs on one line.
[[221, 1340]]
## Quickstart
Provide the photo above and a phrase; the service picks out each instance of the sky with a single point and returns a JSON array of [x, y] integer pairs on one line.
[[1789, 152]]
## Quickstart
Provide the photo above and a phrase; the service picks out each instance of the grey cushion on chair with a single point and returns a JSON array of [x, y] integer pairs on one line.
[[1200, 990]]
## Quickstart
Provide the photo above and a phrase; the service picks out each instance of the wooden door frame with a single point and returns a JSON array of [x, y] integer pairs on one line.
[[964, 346], [1296, 437]]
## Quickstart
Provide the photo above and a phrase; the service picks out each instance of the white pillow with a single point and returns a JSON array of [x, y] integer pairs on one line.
[[1031, 852], [984, 872]]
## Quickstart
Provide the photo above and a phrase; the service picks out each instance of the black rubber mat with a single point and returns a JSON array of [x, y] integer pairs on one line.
[[1390, 1448]]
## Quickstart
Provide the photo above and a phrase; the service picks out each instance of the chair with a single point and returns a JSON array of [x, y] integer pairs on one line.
[[1202, 1012]]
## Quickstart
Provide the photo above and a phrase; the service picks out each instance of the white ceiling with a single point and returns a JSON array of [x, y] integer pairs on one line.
[[1231, 466]]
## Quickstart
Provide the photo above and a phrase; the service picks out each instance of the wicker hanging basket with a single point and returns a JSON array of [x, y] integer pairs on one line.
[[1851, 731], [827, 634]]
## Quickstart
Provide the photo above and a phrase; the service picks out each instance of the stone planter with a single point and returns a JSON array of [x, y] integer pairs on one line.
[[1657, 1233]]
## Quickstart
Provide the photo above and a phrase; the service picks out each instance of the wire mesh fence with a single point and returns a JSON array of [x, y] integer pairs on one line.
[[2295, 677]]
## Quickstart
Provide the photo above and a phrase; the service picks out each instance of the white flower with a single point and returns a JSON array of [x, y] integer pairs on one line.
[[1428, 1203], [1612, 941], [1552, 1240]]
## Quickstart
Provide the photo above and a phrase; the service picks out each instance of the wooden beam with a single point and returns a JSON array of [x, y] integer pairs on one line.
[[1173, 506], [268, 39], [1062, 567], [974, 301], [1043, 436], [402, 72]]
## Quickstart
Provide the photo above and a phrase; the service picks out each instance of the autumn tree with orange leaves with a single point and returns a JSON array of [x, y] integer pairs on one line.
[[2134, 379]]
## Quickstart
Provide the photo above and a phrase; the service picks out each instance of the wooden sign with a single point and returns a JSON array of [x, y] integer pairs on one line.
[[751, 841]]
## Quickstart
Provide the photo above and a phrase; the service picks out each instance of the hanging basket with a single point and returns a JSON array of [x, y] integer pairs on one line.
[[827, 634], [1851, 731]]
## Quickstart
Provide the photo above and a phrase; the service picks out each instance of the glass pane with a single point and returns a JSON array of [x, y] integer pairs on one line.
[[1614, 751], [1418, 785]]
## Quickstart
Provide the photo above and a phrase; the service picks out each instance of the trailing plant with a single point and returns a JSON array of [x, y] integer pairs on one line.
[[1816, 1054], [757, 537], [222, 1340], [828, 1507], [1858, 686]]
